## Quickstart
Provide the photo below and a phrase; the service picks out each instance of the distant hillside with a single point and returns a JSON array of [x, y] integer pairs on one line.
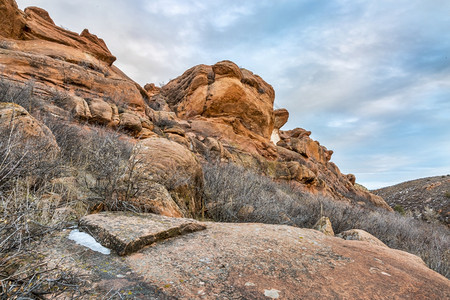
[[416, 195]]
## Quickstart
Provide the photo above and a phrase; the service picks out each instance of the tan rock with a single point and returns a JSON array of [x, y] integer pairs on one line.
[[324, 226], [146, 133], [351, 178], [231, 96], [281, 116], [74, 104], [40, 26], [154, 197], [12, 21], [101, 111], [15, 119], [360, 235], [175, 130], [126, 233], [242, 261], [248, 260], [174, 166], [130, 122]]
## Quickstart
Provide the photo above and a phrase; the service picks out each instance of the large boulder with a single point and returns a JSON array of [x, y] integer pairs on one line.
[[360, 235], [175, 167], [126, 232], [236, 102], [223, 90], [17, 122]]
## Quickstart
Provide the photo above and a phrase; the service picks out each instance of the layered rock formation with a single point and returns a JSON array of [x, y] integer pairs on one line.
[[230, 111], [219, 112], [72, 72]]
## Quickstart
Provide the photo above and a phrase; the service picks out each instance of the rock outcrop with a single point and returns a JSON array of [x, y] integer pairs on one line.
[[360, 235], [127, 232], [247, 261], [68, 70], [235, 108], [220, 112], [16, 122], [175, 167]]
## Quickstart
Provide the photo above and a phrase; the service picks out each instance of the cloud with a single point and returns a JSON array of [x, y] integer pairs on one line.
[[370, 79]]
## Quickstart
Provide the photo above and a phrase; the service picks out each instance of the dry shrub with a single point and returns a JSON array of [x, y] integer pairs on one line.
[[235, 194]]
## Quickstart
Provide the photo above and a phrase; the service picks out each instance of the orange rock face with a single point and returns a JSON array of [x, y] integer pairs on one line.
[[175, 167], [64, 64], [74, 76], [235, 101], [14, 119]]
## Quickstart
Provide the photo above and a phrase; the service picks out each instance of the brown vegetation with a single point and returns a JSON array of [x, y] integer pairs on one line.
[[234, 194]]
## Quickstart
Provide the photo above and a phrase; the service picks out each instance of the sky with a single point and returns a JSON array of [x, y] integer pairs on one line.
[[370, 79]]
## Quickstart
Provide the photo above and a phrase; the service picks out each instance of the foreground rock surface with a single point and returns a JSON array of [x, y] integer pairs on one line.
[[126, 233], [253, 261]]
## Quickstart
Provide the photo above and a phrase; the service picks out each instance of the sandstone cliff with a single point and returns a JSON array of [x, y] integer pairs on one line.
[[220, 111]]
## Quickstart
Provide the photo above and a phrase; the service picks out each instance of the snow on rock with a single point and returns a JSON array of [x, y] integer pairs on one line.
[[84, 239]]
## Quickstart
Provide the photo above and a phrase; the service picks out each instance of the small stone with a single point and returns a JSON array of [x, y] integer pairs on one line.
[[272, 293]]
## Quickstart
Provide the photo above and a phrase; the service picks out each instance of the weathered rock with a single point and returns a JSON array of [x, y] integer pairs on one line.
[[101, 111], [281, 116], [130, 122], [351, 178], [126, 233], [12, 21], [246, 260], [226, 95], [175, 130], [324, 226], [16, 120], [154, 197], [223, 102], [76, 106], [175, 167], [39, 25], [62, 62], [360, 235]]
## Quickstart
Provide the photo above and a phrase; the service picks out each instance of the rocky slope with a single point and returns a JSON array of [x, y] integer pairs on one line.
[[417, 195]]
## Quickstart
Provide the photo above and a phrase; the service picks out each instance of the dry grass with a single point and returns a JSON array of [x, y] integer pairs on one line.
[[234, 194]]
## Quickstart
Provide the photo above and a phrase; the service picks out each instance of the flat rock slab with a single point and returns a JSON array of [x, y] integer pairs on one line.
[[126, 232]]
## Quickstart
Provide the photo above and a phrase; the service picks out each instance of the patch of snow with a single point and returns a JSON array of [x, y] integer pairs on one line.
[[275, 138], [86, 240]]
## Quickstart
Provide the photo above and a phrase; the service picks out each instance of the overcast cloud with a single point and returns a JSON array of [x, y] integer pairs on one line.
[[370, 79]]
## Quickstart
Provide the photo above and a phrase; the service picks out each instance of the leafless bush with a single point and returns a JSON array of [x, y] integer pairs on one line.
[[23, 219], [101, 161], [21, 94], [234, 194]]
